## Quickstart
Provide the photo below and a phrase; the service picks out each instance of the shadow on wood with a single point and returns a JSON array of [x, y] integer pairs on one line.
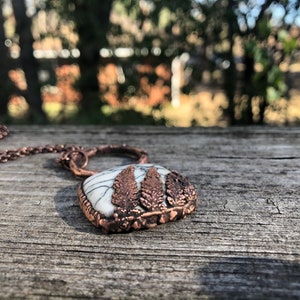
[[250, 278], [66, 204]]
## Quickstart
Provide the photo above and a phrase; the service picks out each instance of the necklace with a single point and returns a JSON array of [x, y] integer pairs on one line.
[[131, 197]]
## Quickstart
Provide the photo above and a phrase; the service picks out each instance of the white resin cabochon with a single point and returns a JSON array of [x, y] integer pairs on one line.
[[99, 187]]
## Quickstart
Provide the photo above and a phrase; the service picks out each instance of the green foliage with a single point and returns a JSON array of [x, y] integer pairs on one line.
[[262, 76], [263, 28], [267, 80], [290, 43]]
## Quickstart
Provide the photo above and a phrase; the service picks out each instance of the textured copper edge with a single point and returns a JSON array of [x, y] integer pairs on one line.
[[137, 219]]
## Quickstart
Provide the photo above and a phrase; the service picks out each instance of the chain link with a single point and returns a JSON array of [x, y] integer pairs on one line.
[[9, 155], [73, 158], [3, 132]]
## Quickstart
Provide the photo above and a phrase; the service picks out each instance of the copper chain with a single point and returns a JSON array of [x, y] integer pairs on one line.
[[8, 155], [74, 158], [3, 132]]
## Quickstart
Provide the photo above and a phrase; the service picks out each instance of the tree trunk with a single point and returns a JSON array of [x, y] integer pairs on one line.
[[92, 22], [262, 109], [248, 89], [28, 62], [4, 69], [230, 76]]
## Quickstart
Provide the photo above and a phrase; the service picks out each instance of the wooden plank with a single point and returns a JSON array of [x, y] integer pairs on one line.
[[243, 242]]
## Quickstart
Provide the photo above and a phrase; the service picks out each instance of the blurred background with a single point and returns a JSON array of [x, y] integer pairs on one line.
[[171, 62]]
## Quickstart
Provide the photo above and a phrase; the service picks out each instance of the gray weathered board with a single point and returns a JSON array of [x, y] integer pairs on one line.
[[243, 242]]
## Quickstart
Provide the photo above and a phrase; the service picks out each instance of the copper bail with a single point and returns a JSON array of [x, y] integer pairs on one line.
[[76, 159]]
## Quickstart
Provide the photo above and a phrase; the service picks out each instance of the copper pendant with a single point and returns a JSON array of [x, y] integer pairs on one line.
[[125, 198], [136, 196]]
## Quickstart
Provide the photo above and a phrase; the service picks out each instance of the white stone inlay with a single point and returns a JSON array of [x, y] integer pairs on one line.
[[98, 188]]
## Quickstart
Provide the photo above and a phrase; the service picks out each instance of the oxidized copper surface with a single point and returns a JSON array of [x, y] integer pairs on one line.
[[155, 203]]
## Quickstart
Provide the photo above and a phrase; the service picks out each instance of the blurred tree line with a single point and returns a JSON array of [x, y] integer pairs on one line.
[[244, 42]]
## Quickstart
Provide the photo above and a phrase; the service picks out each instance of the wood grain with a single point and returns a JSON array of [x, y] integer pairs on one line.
[[243, 241]]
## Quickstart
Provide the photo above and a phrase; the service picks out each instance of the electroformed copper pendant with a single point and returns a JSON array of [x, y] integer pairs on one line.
[[124, 198], [135, 197], [130, 197]]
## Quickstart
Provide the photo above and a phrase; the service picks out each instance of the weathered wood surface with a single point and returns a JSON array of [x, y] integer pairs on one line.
[[243, 242]]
